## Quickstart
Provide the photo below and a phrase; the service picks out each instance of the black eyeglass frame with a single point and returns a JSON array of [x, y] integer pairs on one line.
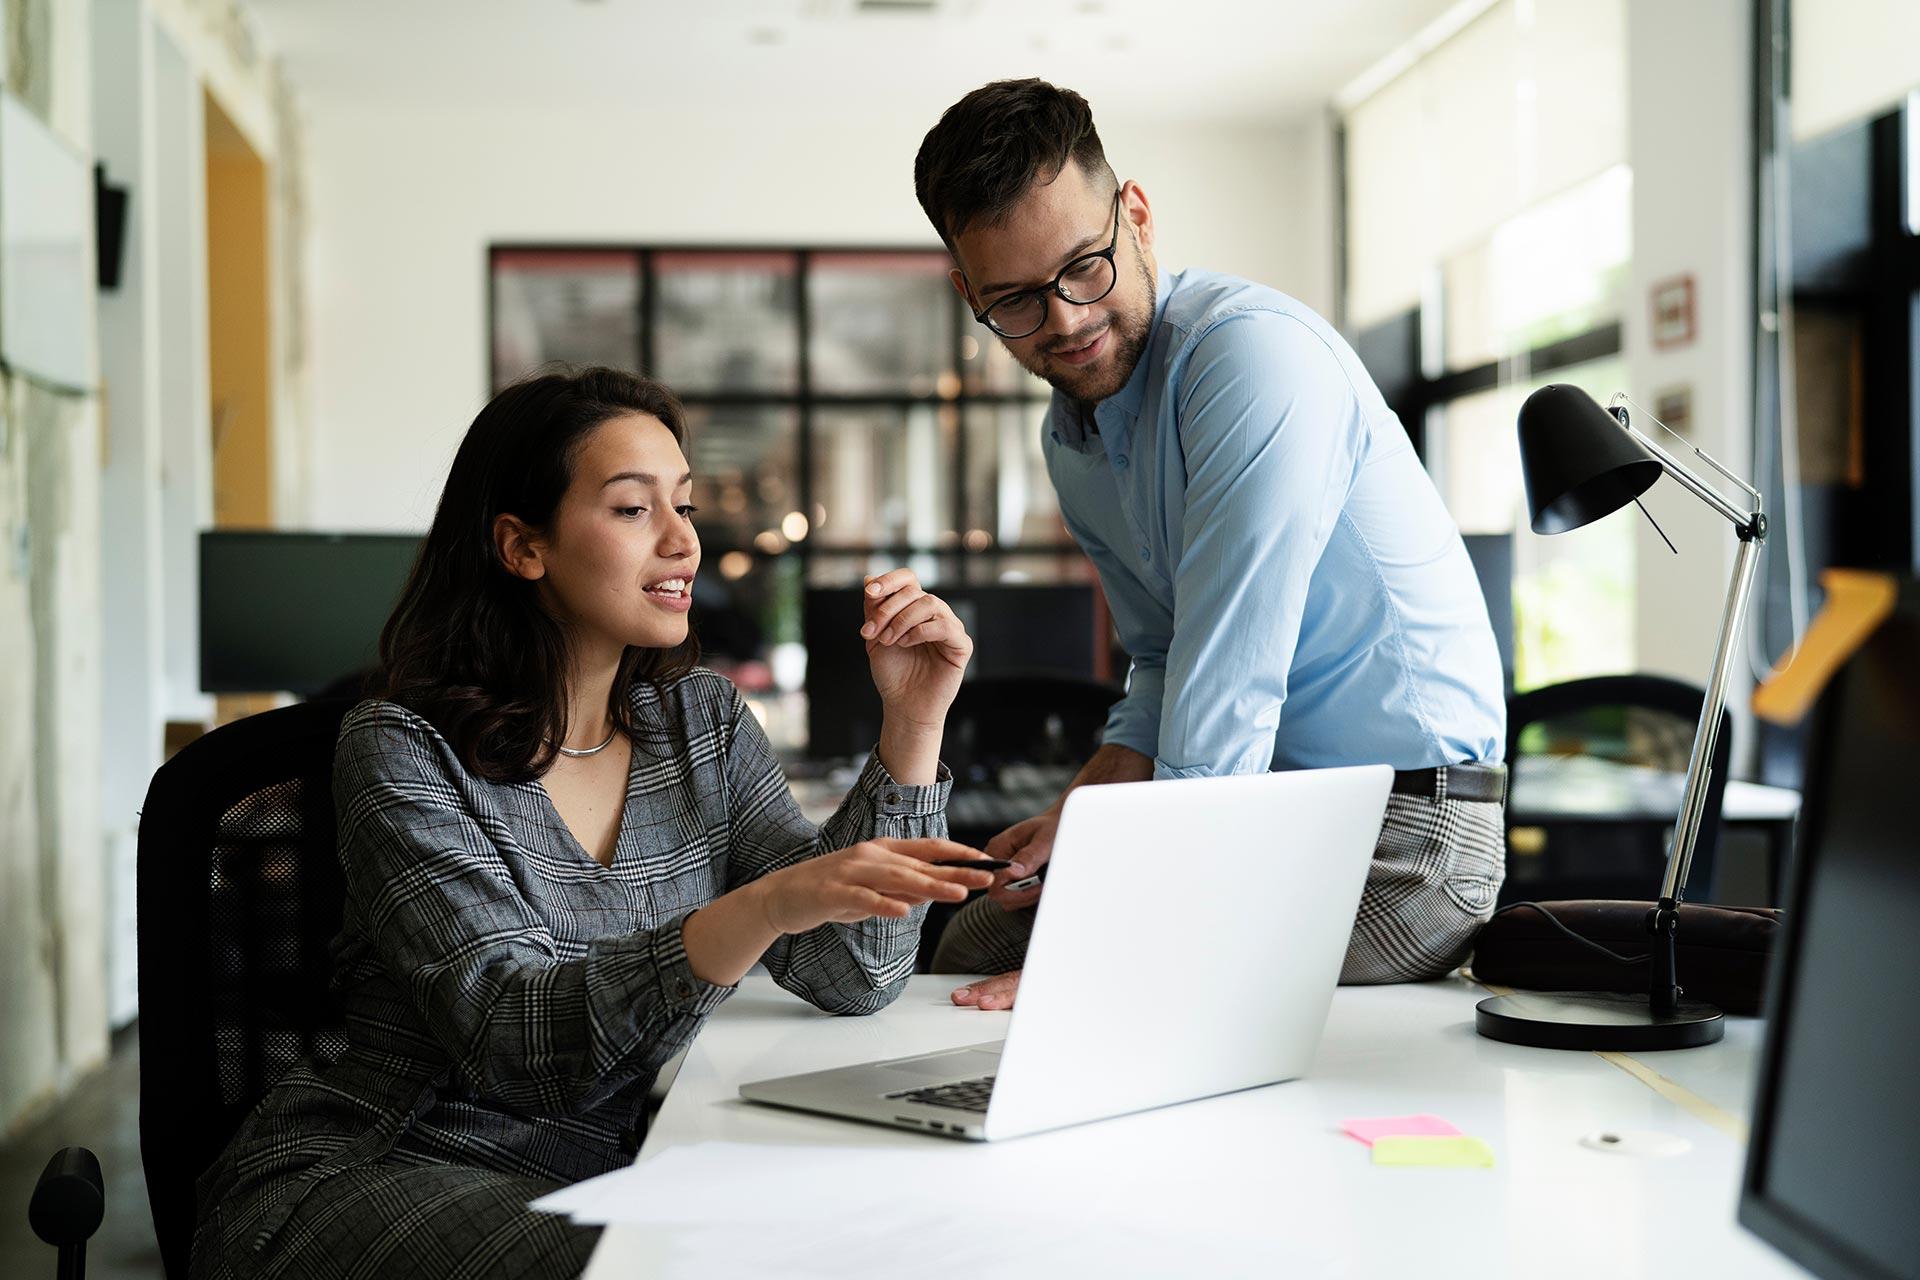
[[985, 316]]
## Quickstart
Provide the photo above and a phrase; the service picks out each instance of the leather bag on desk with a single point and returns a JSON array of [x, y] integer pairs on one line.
[[1721, 952]]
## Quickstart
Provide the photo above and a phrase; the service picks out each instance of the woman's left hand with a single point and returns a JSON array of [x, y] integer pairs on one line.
[[916, 646]]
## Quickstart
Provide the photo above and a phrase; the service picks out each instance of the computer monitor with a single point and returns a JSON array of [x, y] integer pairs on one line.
[[1016, 628], [1833, 1169], [295, 611]]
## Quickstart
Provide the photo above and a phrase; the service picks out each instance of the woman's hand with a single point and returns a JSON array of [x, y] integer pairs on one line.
[[873, 878], [916, 646]]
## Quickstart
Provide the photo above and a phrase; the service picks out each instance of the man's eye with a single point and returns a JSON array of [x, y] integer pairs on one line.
[[1084, 268]]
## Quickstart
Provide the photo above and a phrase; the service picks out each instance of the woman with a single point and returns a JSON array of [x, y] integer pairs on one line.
[[563, 845]]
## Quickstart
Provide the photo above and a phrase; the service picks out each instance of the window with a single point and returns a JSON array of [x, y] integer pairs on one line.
[[1489, 227], [845, 415]]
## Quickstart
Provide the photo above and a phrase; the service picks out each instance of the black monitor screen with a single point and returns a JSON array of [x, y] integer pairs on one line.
[[1833, 1174], [295, 611], [1016, 629]]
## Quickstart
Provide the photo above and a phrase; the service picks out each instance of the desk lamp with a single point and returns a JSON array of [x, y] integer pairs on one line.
[[1581, 463]]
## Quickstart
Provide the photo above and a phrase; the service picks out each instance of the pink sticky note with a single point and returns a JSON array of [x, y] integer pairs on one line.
[[1367, 1129]]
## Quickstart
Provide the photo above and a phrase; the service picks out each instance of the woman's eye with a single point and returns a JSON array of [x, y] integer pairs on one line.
[[630, 512], [686, 512]]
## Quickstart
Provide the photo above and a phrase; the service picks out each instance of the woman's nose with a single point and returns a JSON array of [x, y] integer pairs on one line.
[[680, 540]]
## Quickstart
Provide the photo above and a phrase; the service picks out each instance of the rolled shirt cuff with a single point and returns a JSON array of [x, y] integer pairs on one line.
[[893, 799]]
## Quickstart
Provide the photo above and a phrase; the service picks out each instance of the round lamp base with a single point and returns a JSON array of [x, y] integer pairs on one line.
[[1595, 1020]]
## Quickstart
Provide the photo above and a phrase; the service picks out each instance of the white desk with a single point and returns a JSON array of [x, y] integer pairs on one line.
[[1254, 1184], [1561, 787]]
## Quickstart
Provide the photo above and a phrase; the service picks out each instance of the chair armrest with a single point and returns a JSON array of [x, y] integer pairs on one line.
[[70, 1198]]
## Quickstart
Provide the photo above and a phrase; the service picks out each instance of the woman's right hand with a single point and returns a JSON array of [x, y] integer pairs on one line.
[[880, 877]]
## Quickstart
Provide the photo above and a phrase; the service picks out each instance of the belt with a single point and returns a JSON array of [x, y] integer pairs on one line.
[[1486, 783]]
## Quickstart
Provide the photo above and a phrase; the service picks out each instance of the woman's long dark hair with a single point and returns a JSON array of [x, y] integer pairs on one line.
[[470, 648]]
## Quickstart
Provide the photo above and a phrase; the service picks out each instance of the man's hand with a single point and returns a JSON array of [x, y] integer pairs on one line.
[[1027, 845], [989, 993]]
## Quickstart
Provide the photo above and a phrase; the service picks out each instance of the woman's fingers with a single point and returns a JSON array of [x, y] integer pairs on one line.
[[908, 616], [885, 610], [885, 596], [926, 848], [942, 631], [883, 585]]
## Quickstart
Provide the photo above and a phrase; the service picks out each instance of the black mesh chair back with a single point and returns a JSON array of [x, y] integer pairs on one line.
[[1642, 720], [240, 894]]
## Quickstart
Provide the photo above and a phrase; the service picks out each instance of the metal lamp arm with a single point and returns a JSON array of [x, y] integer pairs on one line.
[[1751, 526]]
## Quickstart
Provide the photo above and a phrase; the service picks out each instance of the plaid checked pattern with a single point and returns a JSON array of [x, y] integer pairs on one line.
[[1436, 871], [509, 1000]]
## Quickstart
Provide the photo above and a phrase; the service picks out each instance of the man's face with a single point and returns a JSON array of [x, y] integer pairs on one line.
[[1088, 351]]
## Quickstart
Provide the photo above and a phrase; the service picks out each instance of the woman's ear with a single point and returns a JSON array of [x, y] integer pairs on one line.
[[518, 547]]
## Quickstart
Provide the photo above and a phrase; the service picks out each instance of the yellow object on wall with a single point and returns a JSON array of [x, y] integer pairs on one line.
[[1857, 603]]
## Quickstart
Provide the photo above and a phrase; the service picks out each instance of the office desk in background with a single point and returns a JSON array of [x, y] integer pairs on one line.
[[1260, 1183], [1548, 791]]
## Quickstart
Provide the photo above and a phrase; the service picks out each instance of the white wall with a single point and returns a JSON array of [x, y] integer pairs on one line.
[[133, 672], [403, 204], [52, 1002], [1689, 95]]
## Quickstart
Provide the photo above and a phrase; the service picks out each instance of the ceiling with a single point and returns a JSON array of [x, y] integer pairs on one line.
[[1240, 60]]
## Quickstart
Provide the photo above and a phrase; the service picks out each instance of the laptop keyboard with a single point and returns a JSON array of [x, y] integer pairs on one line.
[[962, 1095]]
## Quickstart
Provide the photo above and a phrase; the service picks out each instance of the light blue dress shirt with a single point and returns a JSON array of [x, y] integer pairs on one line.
[[1290, 588]]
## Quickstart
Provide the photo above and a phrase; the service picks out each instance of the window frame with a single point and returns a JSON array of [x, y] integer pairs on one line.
[[805, 401]]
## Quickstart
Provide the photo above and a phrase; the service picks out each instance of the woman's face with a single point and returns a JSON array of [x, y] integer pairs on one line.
[[621, 553]]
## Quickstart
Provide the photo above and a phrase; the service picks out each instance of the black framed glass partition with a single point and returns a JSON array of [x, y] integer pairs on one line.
[[846, 414]]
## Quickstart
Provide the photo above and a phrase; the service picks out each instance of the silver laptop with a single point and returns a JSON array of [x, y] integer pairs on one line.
[[1225, 903]]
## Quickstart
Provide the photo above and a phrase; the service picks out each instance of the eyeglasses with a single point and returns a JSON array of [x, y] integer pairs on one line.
[[1087, 279]]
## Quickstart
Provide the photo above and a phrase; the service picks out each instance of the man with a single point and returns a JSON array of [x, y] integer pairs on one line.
[[1283, 575]]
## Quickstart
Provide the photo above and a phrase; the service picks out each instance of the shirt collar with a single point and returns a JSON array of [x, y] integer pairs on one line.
[[1127, 399]]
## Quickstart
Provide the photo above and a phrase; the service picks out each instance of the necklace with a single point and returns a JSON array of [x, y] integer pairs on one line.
[[577, 752]]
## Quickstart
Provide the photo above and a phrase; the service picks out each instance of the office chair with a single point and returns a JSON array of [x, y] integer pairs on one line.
[[240, 893], [1642, 720]]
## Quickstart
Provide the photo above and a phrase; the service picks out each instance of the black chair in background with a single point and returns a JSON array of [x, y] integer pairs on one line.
[[1642, 720], [240, 893]]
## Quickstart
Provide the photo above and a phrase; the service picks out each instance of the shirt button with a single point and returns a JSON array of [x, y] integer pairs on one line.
[[1146, 553], [893, 797], [683, 988], [1120, 461]]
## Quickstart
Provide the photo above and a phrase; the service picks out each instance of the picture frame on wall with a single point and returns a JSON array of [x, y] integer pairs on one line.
[[1673, 312]]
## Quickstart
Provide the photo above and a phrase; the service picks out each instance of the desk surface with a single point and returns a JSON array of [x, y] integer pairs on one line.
[[1571, 788], [1255, 1183]]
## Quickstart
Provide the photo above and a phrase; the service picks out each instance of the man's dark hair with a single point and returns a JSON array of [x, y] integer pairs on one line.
[[994, 144]]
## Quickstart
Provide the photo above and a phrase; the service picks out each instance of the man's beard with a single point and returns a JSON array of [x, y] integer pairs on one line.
[[1130, 334]]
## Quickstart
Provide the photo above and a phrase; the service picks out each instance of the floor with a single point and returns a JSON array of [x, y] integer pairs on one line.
[[101, 1113]]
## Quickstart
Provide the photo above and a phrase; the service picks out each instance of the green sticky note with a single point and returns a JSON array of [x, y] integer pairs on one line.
[[1433, 1152]]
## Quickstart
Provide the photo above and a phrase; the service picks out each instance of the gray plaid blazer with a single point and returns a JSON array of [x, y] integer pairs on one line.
[[509, 1000]]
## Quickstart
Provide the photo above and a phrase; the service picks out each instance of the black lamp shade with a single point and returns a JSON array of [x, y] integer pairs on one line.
[[1579, 463]]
